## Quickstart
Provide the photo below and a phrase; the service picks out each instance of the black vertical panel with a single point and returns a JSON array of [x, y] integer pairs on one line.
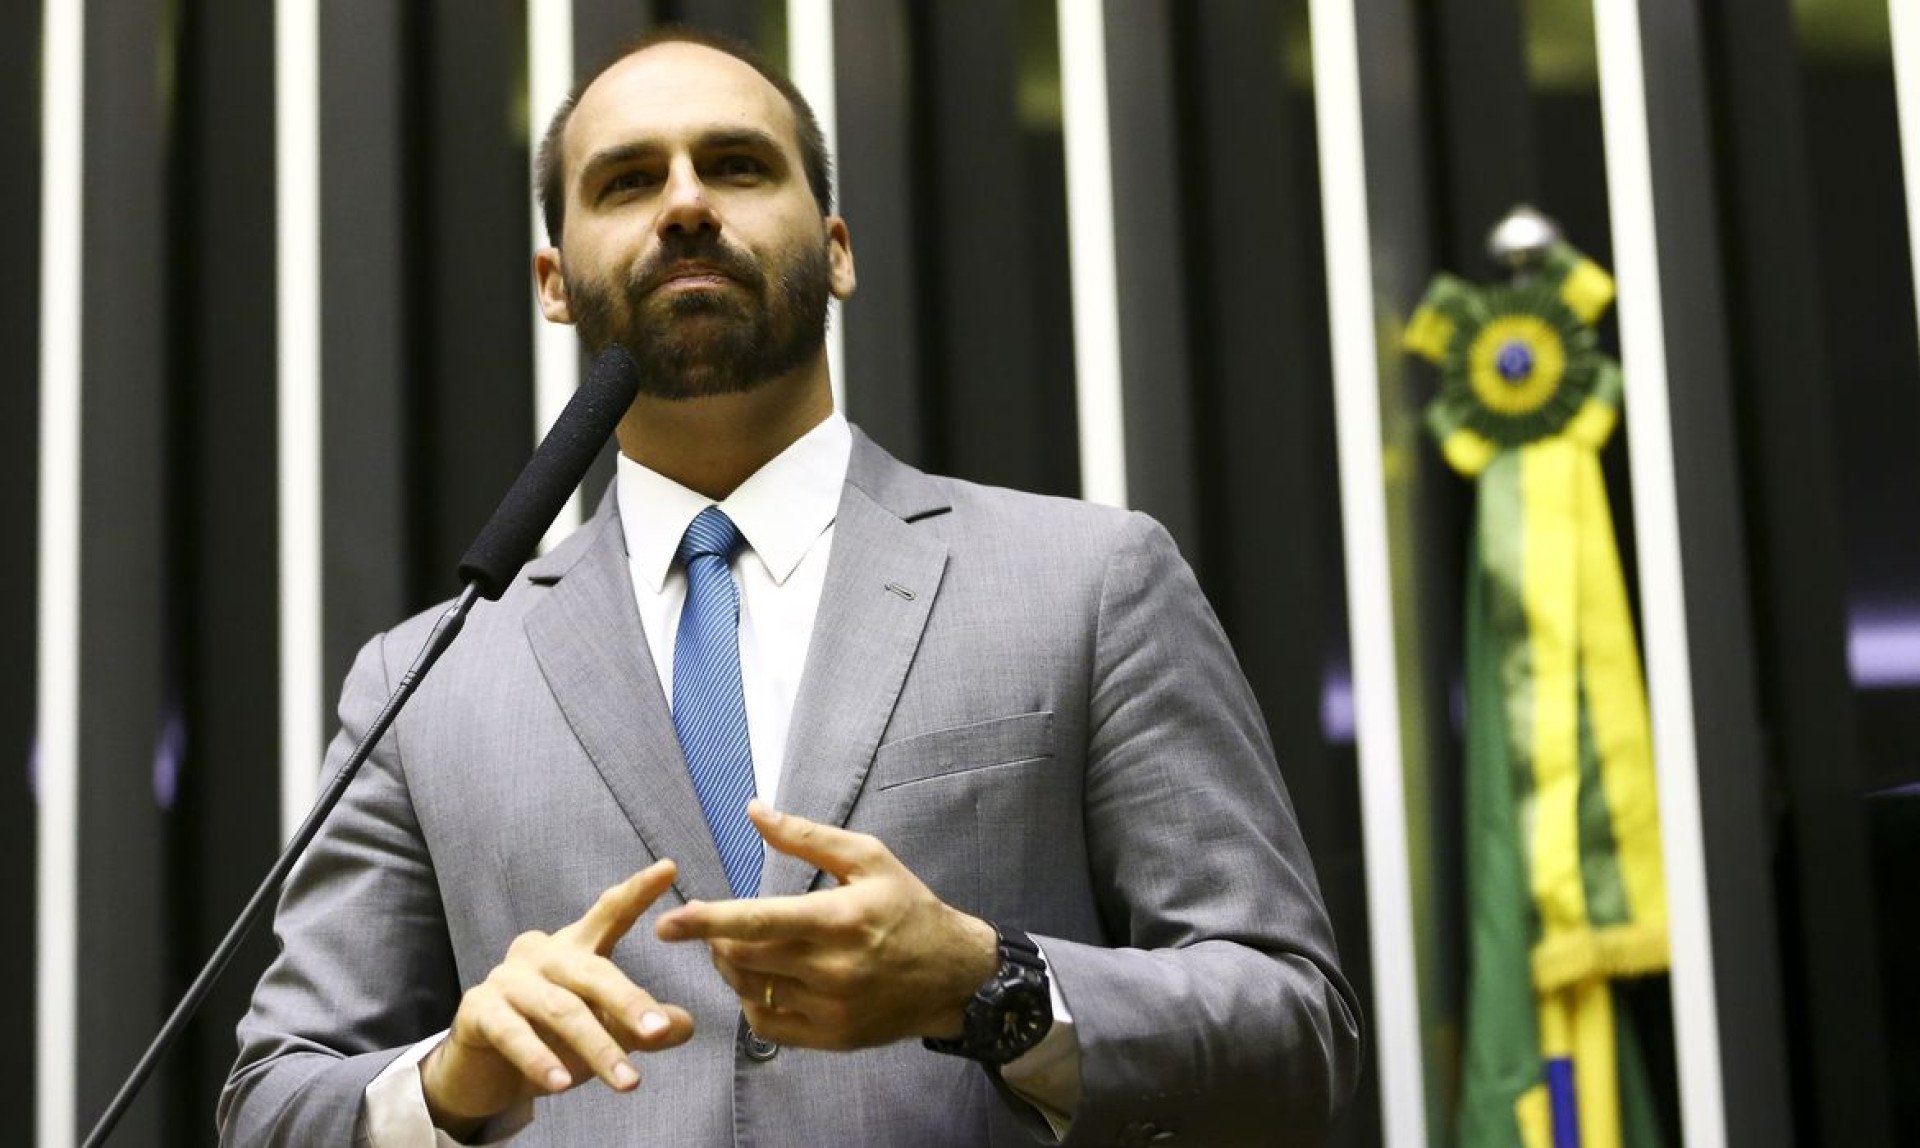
[[1727, 738], [473, 364], [601, 28], [1570, 167], [1866, 307], [224, 524], [873, 67], [756, 22], [1425, 524], [19, 491], [1484, 159], [1480, 160], [1149, 259], [372, 305], [1426, 499], [1839, 1045], [124, 660], [1269, 489], [998, 336]]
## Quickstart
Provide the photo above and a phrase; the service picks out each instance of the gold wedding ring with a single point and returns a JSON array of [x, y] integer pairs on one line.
[[766, 998]]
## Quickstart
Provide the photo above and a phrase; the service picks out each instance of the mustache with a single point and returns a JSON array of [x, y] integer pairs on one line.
[[679, 255]]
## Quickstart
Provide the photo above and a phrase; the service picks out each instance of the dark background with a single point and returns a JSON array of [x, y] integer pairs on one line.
[[1791, 338]]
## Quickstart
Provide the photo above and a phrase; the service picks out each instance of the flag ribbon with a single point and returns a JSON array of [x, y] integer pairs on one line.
[[1563, 849]]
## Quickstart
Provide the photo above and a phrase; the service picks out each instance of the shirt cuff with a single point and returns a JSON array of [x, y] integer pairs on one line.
[[1047, 1075], [395, 1106]]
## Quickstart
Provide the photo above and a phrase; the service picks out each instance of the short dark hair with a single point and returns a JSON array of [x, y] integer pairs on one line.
[[550, 163]]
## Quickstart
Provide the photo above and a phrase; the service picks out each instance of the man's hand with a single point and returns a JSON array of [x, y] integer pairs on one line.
[[870, 961], [555, 1013]]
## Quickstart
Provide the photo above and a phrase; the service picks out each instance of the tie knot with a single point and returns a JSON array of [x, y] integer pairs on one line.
[[710, 533]]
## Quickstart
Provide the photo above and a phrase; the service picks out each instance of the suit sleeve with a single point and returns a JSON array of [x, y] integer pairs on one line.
[[365, 967], [1220, 1015]]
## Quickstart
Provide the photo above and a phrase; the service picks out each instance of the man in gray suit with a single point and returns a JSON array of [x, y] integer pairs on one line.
[[793, 754]]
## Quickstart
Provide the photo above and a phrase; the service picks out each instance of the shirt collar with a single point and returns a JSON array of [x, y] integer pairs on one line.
[[781, 510]]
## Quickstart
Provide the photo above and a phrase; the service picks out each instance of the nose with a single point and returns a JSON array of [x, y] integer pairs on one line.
[[685, 208]]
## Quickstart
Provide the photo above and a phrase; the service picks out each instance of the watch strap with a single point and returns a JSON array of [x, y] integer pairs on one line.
[[1020, 960]]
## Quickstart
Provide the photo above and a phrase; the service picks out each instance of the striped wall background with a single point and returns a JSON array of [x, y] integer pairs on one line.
[[275, 359]]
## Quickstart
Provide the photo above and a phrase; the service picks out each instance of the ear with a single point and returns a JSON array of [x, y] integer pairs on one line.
[[839, 257], [551, 282]]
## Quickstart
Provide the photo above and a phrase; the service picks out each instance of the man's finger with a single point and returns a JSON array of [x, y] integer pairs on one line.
[[602, 926], [801, 1019], [832, 850], [824, 970], [640, 1021], [491, 1022], [786, 958], [736, 979], [789, 998], [798, 918], [555, 1010]]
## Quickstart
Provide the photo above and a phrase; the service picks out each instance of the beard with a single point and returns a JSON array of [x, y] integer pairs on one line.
[[698, 343]]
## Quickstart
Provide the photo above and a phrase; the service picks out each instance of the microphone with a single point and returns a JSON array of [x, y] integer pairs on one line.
[[487, 569], [551, 474]]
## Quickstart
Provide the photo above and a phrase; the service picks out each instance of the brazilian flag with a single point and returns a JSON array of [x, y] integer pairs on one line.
[[1566, 892]]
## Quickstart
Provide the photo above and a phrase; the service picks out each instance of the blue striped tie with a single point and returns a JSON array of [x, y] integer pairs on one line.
[[709, 707]]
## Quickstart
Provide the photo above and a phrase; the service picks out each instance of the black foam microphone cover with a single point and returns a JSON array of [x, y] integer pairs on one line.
[[551, 474]]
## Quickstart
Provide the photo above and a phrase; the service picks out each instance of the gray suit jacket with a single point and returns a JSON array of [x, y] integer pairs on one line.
[[1027, 699]]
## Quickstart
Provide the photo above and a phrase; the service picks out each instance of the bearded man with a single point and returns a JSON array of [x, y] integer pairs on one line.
[[799, 797]]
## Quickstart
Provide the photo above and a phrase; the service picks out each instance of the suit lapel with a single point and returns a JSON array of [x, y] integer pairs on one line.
[[880, 586], [588, 640]]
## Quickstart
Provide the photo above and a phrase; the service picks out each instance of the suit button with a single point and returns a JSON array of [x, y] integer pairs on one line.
[[758, 1048]]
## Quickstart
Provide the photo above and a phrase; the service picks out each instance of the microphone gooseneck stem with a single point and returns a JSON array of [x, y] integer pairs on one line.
[[444, 632], [486, 571]]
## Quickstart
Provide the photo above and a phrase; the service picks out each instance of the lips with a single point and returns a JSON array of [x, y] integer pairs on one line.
[[706, 265], [691, 274]]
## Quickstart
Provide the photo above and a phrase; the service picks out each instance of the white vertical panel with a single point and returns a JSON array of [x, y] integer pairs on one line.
[[57, 668], [1363, 514], [296, 125], [810, 64], [1092, 262], [1623, 110], [1904, 19], [556, 355]]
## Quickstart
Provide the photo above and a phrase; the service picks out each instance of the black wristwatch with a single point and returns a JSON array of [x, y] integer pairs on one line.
[[1010, 1012]]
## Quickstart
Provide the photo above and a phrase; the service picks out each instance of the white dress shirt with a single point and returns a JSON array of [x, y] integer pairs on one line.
[[785, 512]]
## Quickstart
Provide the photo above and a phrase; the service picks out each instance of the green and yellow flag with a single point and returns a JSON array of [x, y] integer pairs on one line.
[[1565, 889]]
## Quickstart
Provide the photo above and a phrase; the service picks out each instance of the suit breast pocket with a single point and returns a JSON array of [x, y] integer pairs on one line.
[[962, 749]]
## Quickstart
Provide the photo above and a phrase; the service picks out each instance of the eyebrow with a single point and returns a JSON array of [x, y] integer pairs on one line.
[[620, 155]]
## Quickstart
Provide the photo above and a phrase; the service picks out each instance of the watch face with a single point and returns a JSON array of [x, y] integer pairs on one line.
[[1018, 1015], [1022, 1028]]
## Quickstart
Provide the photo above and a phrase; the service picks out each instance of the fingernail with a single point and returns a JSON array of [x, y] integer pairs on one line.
[[652, 1024], [624, 1075], [773, 816], [558, 1079]]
